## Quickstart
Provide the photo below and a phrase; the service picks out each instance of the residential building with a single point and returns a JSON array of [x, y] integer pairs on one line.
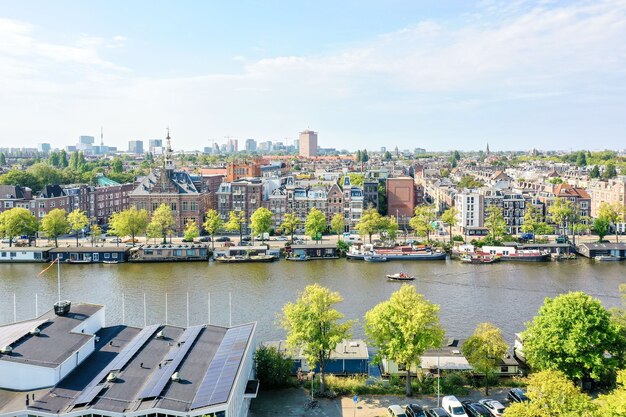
[[470, 211], [12, 196], [43, 147], [111, 199], [401, 199], [135, 146], [243, 169], [308, 144], [244, 195], [370, 193], [612, 192]]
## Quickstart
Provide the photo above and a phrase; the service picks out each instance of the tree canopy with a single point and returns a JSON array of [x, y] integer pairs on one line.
[[78, 220], [484, 350], [572, 333], [261, 221], [337, 224], [313, 324], [55, 224], [290, 224], [315, 224], [236, 221], [450, 217], [130, 222], [403, 328], [423, 220], [213, 223], [495, 223], [162, 222], [17, 222], [369, 223]]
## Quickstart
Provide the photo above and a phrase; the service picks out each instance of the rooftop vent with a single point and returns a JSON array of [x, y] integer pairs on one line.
[[61, 308], [160, 334], [35, 331], [112, 376], [6, 350], [175, 377]]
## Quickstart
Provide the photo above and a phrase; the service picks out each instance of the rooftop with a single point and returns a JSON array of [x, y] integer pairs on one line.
[[55, 343]]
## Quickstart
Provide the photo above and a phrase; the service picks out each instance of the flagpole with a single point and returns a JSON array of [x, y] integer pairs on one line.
[[59, 276]]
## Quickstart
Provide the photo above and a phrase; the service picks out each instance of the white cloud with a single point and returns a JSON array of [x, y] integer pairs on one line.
[[506, 52]]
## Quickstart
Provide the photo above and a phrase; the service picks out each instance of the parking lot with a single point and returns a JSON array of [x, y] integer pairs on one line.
[[290, 402]]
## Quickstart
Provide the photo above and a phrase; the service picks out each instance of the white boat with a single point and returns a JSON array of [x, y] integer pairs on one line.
[[110, 262], [607, 258], [375, 258], [400, 276]]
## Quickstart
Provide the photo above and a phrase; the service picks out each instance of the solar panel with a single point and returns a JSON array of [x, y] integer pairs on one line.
[[14, 332], [94, 387], [174, 357], [220, 376]]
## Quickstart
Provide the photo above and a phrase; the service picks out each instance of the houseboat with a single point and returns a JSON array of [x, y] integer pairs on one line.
[[479, 258], [13, 254], [593, 250], [510, 253], [399, 253], [313, 251], [350, 357], [244, 254], [186, 252], [89, 255]]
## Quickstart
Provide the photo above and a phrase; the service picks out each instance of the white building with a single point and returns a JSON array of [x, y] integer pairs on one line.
[[71, 365]]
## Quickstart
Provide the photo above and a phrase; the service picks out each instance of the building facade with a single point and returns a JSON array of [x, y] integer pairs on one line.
[[308, 144]]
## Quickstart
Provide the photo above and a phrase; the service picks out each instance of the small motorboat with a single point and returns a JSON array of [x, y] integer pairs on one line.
[[299, 258], [375, 258], [479, 258], [400, 276], [605, 258], [110, 262]]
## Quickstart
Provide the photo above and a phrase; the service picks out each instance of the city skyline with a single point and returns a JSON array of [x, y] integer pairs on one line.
[[434, 75]]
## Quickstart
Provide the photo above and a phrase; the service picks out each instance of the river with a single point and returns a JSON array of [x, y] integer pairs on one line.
[[507, 294]]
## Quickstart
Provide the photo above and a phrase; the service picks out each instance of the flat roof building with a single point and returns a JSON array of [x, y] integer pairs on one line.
[[308, 144], [71, 365]]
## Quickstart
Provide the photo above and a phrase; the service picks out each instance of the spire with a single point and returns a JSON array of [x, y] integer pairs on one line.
[[169, 163]]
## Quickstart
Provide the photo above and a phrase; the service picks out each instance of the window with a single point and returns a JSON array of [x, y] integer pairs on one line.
[[114, 255]]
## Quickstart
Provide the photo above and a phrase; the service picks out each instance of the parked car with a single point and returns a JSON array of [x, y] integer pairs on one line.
[[495, 407], [228, 244], [414, 410], [116, 240], [395, 411], [204, 239], [437, 412], [282, 238], [475, 409], [517, 395], [562, 239], [527, 236], [245, 243], [453, 406], [222, 239], [298, 242]]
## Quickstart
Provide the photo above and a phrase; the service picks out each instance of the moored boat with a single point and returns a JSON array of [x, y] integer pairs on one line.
[[607, 258], [298, 258], [245, 259], [511, 253], [400, 253], [479, 258], [375, 258], [110, 262], [400, 276]]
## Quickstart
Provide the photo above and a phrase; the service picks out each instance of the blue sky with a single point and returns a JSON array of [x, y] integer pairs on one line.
[[433, 74]]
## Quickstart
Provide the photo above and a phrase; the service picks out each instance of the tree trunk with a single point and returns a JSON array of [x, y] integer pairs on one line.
[[132, 236], [322, 382], [77, 238], [409, 386], [450, 235], [486, 383], [56, 242]]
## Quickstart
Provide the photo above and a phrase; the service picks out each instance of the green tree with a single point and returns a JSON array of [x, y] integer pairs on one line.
[[78, 220], [261, 222], [290, 224], [117, 166], [564, 213], [337, 225], [613, 213], [573, 333], [63, 159], [610, 171], [3, 159], [273, 368], [191, 231], [601, 227], [313, 325], [315, 224], [369, 223], [423, 220], [495, 223], [581, 159], [533, 222], [469, 181], [595, 172], [17, 222], [552, 394], [162, 221], [235, 223], [388, 228], [130, 222], [613, 404], [95, 231], [387, 156], [22, 178], [213, 223], [450, 217], [403, 328], [484, 350], [55, 224], [46, 174]]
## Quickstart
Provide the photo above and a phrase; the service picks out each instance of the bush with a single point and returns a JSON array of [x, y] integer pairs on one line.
[[454, 383], [273, 368], [342, 247], [458, 238]]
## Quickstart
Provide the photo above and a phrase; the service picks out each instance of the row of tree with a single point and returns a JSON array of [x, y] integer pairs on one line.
[[573, 339]]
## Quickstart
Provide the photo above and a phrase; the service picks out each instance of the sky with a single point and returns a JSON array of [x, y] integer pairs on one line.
[[434, 74]]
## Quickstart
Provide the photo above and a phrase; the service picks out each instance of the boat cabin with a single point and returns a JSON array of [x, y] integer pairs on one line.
[[247, 251], [33, 254], [170, 253], [87, 255], [313, 251], [591, 250]]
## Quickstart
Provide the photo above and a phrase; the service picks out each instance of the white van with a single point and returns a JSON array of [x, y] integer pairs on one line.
[[453, 406], [351, 238]]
